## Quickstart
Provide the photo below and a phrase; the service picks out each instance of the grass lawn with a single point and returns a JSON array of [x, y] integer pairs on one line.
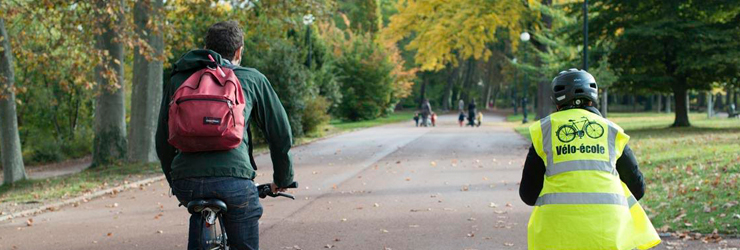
[[91, 180], [691, 173], [398, 116], [87, 181]]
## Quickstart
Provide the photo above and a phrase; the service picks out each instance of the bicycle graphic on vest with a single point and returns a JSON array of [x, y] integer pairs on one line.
[[568, 132]]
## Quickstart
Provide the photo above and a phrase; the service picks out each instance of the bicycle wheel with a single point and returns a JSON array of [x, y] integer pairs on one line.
[[594, 130], [566, 133], [213, 237]]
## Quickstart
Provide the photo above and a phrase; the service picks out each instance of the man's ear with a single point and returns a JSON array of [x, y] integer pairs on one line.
[[238, 54]]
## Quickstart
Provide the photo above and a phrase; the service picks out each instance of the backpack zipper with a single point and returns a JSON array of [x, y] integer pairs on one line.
[[205, 99], [228, 102]]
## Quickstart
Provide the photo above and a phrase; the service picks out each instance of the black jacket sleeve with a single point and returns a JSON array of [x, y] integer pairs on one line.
[[533, 177], [630, 174]]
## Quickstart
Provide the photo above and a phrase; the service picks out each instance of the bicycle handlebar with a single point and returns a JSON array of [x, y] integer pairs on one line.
[[264, 190]]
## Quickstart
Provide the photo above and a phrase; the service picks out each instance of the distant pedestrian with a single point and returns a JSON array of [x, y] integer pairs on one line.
[[426, 111], [471, 113], [461, 105], [461, 118], [416, 118], [479, 119]]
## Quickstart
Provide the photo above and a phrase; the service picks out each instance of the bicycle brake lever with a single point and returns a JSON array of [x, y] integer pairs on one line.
[[286, 195]]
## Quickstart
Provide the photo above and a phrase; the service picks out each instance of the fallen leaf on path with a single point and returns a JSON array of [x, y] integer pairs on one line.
[[730, 204], [493, 205], [329, 246], [408, 179], [29, 222], [420, 210], [376, 205], [681, 216], [509, 205], [413, 226], [434, 164], [296, 247], [344, 219], [464, 188], [110, 234], [471, 235], [508, 244], [471, 219], [383, 231], [160, 231]]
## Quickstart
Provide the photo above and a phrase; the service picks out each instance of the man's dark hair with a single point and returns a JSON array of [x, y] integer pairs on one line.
[[225, 38]]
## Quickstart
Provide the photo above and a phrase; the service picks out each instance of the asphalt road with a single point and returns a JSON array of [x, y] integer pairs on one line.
[[389, 187]]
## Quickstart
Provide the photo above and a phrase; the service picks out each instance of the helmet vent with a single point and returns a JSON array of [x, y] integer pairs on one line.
[[559, 88], [579, 91], [593, 85]]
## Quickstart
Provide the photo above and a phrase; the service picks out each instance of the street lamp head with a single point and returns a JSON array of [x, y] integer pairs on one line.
[[524, 36], [308, 19]]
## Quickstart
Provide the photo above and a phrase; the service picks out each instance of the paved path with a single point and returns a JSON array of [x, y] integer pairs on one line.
[[56, 169], [389, 187]]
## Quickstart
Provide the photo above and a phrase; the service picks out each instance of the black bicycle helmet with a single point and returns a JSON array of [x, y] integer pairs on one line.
[[571, 86]]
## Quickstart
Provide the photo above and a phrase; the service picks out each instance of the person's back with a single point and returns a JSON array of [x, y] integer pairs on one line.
[[226, 174], [582, 177]]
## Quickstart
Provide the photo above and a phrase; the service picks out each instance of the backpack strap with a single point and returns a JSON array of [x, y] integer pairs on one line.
[[247, 126]]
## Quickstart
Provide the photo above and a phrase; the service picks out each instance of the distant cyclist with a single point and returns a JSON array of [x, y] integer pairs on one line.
[[195, 172], [582, 177]]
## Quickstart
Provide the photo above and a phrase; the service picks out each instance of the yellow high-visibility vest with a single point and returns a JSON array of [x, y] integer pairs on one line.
[[583, 204]]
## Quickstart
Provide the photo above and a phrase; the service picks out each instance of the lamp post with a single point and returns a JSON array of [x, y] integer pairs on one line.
[[525, 37], [308, 20], [585, 35]]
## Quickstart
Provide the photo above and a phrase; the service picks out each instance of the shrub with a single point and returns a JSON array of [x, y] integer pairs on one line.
[[364, 70], [44, 152], [315, 116], [288, 76]]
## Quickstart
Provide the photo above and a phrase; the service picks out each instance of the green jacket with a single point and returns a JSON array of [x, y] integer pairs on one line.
[[263, 106]]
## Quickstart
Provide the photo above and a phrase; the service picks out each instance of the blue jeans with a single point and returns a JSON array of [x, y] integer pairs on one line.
[[243, 208]]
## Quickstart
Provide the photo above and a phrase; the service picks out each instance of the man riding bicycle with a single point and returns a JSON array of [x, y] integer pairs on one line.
[[226, 175]]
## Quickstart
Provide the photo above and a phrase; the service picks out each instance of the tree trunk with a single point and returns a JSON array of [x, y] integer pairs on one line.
[[496, 93], [605, 102], [660, 102], [447, 96], [10, 148], [668, 103], [422, 95], [710, 105], [110, 113], [682, 106], [649, 103], [147, 82]]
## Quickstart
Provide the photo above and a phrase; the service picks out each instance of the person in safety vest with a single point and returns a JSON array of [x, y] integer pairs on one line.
[[582, 178]]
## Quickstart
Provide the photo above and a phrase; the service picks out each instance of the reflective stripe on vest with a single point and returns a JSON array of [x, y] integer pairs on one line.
[[631, 201], [582, 198], [563, 167]]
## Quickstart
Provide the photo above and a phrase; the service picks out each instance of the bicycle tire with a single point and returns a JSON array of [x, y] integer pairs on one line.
[[213, 237], [596, 133], [566, 133]]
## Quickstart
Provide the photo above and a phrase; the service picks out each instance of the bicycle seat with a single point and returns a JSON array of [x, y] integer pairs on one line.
[[571, 120], [196, 206]]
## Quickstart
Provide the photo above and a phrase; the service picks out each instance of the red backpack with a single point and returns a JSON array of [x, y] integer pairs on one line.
[[207, 111]]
